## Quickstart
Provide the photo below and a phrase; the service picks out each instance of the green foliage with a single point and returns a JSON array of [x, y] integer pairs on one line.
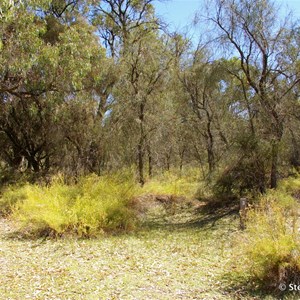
[[245, 172], [173, 183], [290, 186], [87, 208], [91, 205], [271, 244], [11, 196]]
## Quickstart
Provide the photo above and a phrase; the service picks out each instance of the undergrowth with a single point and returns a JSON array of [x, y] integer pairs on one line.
[[91, 206], [269, 249], [173, 182]]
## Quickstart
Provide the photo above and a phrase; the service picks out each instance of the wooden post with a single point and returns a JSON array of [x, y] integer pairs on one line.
[[243, 212]]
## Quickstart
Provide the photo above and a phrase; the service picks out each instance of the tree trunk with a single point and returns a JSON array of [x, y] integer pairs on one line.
[[211, 159], [278, 132], [141, 163], [150, 163], [210, 147], [47, 163], [181, 154], [274, 163], [295, 155], [168, 161], [32, 162], [140, 147]]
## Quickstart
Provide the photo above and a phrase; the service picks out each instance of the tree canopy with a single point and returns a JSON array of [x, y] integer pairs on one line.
[[92, 86]]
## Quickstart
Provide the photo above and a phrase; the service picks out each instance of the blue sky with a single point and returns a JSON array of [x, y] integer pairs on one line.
[[180, 13]]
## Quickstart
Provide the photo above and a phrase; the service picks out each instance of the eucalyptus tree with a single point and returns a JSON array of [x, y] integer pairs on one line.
[[146, 65], [20, 38], [204, 83], [264, 44], [129, 30], [42, 67], [117, 20]]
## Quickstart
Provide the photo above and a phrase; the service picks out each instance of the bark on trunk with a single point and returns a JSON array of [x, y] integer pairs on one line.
[[210, 146], [150, 163], [141, 163], [181, 154], [32, 162], [140, 147], [274, 164]]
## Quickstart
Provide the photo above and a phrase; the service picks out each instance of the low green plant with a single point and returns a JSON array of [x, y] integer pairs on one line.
[[91, 206], [271, 244], [10, 196], [174, 183], [290, 186]]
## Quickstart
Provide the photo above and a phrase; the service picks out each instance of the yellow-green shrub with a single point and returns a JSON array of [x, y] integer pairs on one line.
[[11, 195], [290, 186], [271, 243], [93, 205], [173, 183]]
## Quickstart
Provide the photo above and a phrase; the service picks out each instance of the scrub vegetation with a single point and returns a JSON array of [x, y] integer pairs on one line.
[[125, 151]]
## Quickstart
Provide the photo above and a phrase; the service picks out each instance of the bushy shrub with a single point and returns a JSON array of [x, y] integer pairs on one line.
[[291, 186], [245, 171], [271, 243], [10, 196], [92, 205]]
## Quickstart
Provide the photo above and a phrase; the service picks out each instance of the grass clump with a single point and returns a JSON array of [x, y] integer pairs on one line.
[[91, 206], [10, 196], [271, 244], [290, 186], [174, 183]]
